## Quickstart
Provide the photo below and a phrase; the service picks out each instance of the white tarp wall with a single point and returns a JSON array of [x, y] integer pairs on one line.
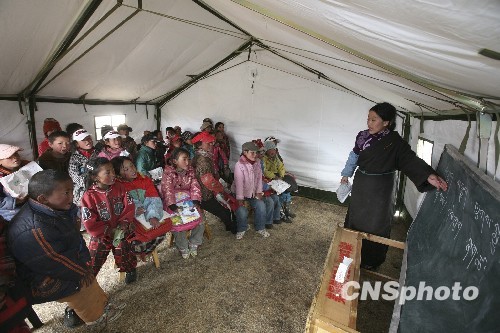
[[317, 125], [14, 130]]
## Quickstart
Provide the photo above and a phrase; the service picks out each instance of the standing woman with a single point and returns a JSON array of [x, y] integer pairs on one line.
[[378, 153]]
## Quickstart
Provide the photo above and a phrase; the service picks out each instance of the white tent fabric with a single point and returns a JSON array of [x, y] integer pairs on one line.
[[313, 70]]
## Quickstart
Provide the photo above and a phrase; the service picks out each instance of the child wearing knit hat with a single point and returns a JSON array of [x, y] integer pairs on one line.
[[49, 125]]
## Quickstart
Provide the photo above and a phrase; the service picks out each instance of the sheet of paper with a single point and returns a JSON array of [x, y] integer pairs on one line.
[[343, 191], [16, 184], [279, 186]]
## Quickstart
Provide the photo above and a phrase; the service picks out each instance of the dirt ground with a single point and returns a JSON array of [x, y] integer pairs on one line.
[[253, 285]]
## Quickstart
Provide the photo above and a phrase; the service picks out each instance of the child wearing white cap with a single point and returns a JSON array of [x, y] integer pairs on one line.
[[83, 152], [10, 162], [113, 148]]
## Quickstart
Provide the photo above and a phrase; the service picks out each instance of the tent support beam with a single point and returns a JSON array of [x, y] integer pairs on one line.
[[32, 127], [32, 88], [158, 117], [162, 100], [402, 178], [220, 16]]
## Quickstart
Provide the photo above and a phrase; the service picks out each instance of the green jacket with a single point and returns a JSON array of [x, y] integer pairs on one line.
[[145, 160]]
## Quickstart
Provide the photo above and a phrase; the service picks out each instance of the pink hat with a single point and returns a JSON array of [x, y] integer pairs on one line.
[[7, 151]]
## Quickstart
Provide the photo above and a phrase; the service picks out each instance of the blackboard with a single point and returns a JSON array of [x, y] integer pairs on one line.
[[455, 239]]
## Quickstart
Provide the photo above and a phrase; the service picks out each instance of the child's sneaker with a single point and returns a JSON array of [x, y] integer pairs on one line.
[[263, 233], [240, 234], [193, 250], [185, 254], [110, 314], [71, 319], [131, 276]]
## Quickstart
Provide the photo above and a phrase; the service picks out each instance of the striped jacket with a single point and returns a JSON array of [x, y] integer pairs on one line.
[[50, 253]]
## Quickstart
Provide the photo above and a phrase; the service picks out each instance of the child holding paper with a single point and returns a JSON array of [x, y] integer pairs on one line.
[[178, 186], [146, 199], [10, 162]]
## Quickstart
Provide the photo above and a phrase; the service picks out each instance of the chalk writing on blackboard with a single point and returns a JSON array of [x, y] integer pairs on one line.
[[472, 252], [455, 223]]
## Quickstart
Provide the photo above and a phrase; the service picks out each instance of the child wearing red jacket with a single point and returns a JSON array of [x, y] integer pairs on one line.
[[147, 202], [108, 213]]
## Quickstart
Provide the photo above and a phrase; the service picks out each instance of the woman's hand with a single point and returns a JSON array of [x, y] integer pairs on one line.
[[139, 211], [155, 223], [437, 182], [344, 180], [258, 196]]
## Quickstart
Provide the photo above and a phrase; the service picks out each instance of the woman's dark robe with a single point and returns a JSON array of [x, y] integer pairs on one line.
[[371, 206]]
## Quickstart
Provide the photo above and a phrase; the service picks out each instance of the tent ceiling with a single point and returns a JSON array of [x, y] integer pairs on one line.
[[346, 44]]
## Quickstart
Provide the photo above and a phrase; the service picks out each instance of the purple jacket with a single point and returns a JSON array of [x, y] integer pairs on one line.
[[247, 179]]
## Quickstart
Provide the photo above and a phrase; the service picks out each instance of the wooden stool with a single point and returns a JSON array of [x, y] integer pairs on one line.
[[156, 260]]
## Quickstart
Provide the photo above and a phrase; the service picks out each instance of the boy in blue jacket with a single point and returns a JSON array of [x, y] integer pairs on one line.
[[51, 255]]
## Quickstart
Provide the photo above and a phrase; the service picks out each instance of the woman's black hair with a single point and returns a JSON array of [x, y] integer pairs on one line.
[[45, 182], [93, 166], [387, 112], [177, 152], [118, 161]]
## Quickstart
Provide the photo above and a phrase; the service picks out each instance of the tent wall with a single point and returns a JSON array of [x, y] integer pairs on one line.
[[316, 124], [13, 128]]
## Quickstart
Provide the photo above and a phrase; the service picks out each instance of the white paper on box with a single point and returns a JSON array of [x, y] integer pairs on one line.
[[342, 270]]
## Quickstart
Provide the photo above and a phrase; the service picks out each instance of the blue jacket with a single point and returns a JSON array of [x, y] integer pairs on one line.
[[51, 255]]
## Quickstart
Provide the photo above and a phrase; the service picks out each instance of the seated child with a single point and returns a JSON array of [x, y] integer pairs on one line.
[[83, 152], [247, 187], [179, 185], [146, 200], [49, 125], [50, 253], [221, 163], [58, 155], [146, 159], [275, 169], [113, 146], [108, 214], [10, 162], [269, 196], [175, 142], [209, 181]]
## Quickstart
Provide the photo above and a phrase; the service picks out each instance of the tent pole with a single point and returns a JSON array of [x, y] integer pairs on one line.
[[32, 127], [402, 177], [158, 117]]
